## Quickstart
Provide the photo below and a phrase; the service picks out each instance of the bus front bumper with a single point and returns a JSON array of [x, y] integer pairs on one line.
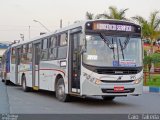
[[108, 89]]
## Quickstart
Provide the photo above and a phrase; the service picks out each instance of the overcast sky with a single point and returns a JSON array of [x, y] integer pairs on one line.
[[17, 15]]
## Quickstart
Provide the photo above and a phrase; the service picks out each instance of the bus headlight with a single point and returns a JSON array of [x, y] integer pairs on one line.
[[98, 81], [92, 79], [137, 81]]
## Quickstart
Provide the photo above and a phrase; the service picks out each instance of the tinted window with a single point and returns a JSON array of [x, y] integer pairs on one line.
[[63, 39], [30, 47], [52, 53], [62, 52], [13, 51], [13, 57], [44, 55], [44, 44], [52, 41]]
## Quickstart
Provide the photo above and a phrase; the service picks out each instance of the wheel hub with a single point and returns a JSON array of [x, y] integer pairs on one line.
[[23, 84], [61, 90]]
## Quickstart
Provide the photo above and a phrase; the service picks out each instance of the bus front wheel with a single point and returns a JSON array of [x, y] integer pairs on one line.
[[60, 91]]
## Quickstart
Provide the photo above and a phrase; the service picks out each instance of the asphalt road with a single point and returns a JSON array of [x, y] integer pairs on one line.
[[4, 101], [14, 101]]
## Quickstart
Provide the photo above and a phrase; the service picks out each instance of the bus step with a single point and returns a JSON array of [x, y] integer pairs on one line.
[[74, 94]]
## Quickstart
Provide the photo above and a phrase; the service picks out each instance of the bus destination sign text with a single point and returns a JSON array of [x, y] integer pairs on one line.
[[112, 27]]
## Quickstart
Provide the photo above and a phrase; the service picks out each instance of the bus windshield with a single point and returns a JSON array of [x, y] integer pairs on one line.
[[119, 51]]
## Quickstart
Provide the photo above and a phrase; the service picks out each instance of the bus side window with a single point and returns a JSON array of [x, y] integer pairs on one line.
[[30, 47], [63, 39], [52, 42], [52, 47], [44, 52], [25, 53], [29, 53], [19, 56], [13, 56], [62, 48]]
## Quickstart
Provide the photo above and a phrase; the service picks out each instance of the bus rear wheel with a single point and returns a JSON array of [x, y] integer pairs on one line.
[[2, 80], [60, 91], [108, 98], [24, 86], [6, 82]]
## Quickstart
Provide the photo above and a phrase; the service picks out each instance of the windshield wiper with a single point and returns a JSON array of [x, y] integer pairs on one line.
[[113, 50], [106, 41], [121, 48], [126, 42]]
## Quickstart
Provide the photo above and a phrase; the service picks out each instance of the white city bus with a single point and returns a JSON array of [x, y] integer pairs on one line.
[[90, 58]]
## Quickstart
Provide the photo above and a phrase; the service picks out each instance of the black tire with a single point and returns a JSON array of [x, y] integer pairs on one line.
[[2, 80], [6, 82], [108, 98], [24, 87], [60, 91]]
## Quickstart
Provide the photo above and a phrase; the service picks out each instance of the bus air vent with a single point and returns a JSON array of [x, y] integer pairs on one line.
[[117, 72]]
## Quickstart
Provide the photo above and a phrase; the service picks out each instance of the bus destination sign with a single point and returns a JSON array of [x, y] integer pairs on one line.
[[112, 27]]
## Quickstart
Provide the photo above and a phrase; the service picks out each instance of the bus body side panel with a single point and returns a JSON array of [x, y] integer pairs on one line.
[[48, 73], [12, 73], [27, 70], [44, 75], [29, 76], [20, 72]]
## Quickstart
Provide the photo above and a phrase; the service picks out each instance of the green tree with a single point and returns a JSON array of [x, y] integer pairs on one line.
[[114, 13], [155, 58], [150, 28], [91, 16], [151, 59], [147, 61]]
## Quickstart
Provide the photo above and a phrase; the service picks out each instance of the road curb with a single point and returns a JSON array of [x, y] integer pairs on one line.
[[151, 89]]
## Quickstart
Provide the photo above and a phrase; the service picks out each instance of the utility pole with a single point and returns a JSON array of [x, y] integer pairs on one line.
[[29, 28], [61, 23]]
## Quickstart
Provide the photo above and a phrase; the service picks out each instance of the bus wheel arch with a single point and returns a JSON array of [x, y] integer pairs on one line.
[[24, 83], [60, 89], [56, 80]]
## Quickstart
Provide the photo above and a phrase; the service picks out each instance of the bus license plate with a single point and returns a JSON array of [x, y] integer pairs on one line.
[[118, 88]]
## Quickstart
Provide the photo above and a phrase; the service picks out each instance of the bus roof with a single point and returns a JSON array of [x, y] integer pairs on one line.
[[74, 25]]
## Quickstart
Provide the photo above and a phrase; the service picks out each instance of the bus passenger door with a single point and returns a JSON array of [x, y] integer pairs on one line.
[[35, 66], [17, 66], [74, 66]]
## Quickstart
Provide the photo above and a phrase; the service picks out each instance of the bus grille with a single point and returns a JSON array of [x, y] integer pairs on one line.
[[127, 90], [117, 81], [117, 71]]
